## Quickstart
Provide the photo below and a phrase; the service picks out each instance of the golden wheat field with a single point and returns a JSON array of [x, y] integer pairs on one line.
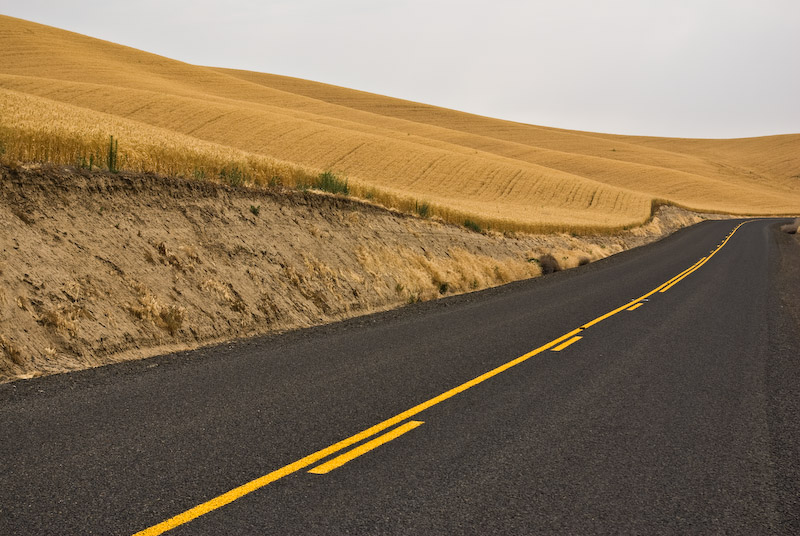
[[62, 95]]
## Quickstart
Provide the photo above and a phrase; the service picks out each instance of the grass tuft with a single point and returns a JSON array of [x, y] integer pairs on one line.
[[327, 181], [423, 210], [472, 225], [233, 175]]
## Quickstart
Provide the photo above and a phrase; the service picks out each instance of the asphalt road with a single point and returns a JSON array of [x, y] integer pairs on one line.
[[679, 416]]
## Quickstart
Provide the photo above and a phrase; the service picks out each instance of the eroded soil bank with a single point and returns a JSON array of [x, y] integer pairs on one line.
[[97, 268]]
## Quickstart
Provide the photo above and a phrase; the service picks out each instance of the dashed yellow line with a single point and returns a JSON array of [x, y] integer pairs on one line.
[[556, 344], [565, 344], [696, 267], [338, 461]]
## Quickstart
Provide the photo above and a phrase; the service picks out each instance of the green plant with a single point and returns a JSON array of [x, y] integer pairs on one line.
[[113, 151], [255, 209], [329, 182], [199, 174], [444, 286], [423, 209], [232, 175], [86, 164], [472, 226], [275, 182]]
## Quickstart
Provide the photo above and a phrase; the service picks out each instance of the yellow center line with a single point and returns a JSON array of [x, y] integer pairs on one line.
[[699, 265], [633, 308], [253, 485], [338, 461], [565, 344], [236, 493]]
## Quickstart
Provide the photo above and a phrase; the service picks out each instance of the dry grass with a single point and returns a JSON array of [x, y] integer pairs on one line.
[[63, 95], [11, 350], [791, 228], [418, 277], [169, 317], [549, 264]]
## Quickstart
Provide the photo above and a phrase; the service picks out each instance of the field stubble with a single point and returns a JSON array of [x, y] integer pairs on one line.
[[62, 95]]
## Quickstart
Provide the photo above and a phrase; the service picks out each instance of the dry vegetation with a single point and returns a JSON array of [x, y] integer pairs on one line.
[[98, 267], [791, 228], [62, 95]]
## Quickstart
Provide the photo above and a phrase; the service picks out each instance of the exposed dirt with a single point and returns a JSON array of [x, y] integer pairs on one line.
[[97, 268]]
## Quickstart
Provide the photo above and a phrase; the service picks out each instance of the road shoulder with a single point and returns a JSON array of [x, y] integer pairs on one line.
[[782, 377]]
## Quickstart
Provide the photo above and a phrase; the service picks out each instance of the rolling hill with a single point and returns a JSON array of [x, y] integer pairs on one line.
[[62, 94]]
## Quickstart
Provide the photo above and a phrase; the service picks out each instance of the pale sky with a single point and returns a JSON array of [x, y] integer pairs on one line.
[[689, 68]]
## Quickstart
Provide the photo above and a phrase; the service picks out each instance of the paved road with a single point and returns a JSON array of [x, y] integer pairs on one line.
[[678, 416]]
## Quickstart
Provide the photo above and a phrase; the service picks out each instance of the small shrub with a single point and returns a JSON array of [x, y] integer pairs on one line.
[[549, 264], [422, 209], [255, 210], [172, 318], [583, 261], [232, 175], [275, 182], [11, 350], [398, 288], [444, 287], [791, 228], [472, 226], [329, 182]]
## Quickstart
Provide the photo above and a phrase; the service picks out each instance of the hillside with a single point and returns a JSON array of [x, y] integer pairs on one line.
[[99, 267], [63, 94]]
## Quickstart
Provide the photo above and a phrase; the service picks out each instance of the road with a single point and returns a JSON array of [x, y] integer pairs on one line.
[[521, 409]]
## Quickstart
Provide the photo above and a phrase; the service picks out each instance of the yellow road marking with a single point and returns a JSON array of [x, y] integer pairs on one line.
[[565, 344], [634, 307], [338, 461], [689, 272], [686, 271], [311, 459], [302, 463]]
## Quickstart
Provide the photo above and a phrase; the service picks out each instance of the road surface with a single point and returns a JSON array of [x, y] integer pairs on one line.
[[523, 409]]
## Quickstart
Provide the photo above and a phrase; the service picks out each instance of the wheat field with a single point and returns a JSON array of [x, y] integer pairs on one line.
[[62, 95]]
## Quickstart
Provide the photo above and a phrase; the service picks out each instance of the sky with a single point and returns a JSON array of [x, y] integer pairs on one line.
[[685, 68]]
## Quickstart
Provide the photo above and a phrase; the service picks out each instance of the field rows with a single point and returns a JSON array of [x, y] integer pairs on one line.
[[173, 117]]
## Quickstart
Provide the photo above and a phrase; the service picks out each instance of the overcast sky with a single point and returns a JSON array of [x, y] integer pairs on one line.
[[690, 68]]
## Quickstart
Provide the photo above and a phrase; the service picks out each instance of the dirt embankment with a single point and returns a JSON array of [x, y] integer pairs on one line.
[[97, 268]]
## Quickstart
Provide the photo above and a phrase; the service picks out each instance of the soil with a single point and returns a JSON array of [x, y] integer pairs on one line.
[[97, 268]]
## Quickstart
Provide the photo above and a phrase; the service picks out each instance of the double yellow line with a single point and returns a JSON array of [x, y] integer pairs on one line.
[[556, 345]]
